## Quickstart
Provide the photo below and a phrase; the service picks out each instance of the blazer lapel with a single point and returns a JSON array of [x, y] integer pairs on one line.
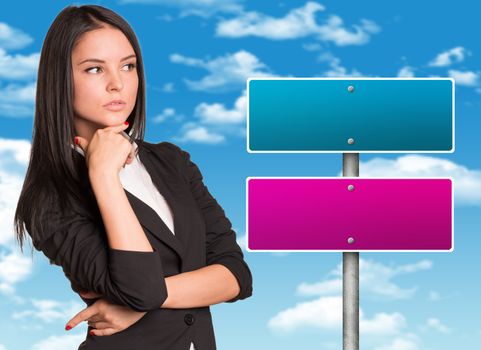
[[149, 218]]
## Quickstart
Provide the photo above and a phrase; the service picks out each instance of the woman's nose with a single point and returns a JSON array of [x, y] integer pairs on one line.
[[115, 82]]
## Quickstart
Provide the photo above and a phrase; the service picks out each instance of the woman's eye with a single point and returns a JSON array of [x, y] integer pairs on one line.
[[89, 69], [133, 65]]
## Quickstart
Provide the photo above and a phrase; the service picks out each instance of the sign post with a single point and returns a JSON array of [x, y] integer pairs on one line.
[[352, 214], [350, 274]]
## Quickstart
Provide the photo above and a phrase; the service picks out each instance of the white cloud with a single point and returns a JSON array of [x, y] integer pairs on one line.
[[434, 296], [168, 87], [406, 72], [466, 78], [437, 325], [13, 269], [336, 69], [203, 8], [18, 67], [334, 31], [49, 311], [297, 23], [375, 280], [167, 113], [320, 288], [14, 157], [13, 38], [217, 113], [13, 150], [382, 324], [466, 184], [17, 100], [406, 342], [226, 73], [215, 122], [312, 47], [198, 133], [64, 342], [18, 93], [449, 57], [326, 313]]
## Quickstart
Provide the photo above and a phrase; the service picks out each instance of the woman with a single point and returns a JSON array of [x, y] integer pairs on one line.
[[131, 223]]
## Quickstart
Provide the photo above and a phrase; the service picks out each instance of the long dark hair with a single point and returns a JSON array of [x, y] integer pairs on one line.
[[55, 173]]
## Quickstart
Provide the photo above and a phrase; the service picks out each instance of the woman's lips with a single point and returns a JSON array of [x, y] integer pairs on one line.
[[115, 106]]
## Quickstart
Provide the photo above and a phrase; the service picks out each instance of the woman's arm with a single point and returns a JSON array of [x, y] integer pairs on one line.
[[203, 287], [226, 276], [79, 245], [221, 243], [121, 224]]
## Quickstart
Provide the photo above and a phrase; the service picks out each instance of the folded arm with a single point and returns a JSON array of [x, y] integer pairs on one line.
[[79, 245], [226, 276]]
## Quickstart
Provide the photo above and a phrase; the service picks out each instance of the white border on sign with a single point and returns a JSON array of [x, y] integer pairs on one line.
[[355, 178], [351, 151]]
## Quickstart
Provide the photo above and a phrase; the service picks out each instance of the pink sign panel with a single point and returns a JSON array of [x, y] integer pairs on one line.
[[349, 214]]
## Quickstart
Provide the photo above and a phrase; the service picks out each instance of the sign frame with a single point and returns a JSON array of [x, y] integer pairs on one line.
[[350, 250], [354, 150]]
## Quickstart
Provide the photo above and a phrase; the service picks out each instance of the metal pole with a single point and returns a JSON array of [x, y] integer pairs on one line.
[[350, 274]]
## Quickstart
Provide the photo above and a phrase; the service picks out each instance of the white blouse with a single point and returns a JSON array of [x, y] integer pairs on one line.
[[135, 179]]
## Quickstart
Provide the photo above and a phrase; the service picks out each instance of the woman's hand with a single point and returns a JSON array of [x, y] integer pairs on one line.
[[107, 318], [108, 150]]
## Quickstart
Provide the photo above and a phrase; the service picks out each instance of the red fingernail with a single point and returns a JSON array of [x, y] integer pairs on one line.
[[91, 333], [126, 123], [67, 328], [76, 141]]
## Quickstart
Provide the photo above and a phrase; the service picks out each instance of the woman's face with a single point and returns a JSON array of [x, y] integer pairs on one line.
[[104, 69]]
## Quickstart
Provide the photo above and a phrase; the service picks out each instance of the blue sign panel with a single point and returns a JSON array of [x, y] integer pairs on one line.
[[350, 115]]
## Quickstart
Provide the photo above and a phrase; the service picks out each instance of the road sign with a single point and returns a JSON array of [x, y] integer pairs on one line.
[[349, 214], [328, 115]]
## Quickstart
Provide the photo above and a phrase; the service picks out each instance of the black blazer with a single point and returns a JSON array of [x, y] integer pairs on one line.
[[76, 240]]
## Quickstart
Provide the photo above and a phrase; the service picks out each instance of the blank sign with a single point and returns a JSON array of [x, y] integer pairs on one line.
[[349, 214], [350, 115]]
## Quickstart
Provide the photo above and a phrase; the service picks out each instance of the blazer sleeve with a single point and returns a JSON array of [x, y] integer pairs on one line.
[[221, 244], [77, 244]]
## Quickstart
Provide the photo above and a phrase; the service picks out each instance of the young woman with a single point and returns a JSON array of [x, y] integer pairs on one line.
[[131, 223]]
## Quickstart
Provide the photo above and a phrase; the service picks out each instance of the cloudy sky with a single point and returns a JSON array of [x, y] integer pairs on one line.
[[198, 55]]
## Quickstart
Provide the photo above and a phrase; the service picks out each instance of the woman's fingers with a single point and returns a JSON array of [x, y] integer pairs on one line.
[[101, 332], [82, 143], [130, 157], [117, 128], [100, 325], [83, 315], [95, 318]]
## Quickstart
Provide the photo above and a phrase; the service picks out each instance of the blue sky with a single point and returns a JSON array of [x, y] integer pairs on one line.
[[198, 56]]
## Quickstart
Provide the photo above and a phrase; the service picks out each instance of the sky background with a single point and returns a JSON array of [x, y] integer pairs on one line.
[[197, 56]]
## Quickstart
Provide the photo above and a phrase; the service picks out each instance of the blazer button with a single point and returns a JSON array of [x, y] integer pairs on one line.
[[189, 319]]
